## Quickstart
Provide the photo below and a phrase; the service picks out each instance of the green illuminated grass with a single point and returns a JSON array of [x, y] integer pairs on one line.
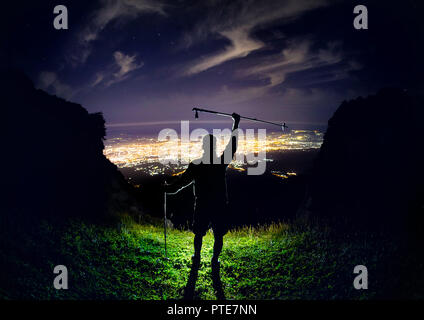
[[127, 262]]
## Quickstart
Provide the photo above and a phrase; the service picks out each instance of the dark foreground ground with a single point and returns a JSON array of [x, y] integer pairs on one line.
[[279, 261]]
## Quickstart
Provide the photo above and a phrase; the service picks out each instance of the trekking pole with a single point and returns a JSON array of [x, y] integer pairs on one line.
[[164, 223], [197, 110], [164, 219]]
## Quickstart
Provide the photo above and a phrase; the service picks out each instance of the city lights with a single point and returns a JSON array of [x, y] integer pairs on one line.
[[143, 153]]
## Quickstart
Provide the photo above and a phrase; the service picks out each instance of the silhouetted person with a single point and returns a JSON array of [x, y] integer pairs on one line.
[[210, 191]]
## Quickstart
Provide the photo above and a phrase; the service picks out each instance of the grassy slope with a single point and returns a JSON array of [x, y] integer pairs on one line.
[[277, 262]]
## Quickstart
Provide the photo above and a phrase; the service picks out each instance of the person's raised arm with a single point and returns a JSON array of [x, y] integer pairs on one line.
[[231, 148]]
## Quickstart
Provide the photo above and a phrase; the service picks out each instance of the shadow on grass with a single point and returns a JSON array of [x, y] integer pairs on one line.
[[189, 290]]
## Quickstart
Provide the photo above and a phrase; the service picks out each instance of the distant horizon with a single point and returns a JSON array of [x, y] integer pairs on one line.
[[152, 129]]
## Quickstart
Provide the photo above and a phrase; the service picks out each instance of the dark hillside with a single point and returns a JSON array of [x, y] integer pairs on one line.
[[370, 166], [53, 157]]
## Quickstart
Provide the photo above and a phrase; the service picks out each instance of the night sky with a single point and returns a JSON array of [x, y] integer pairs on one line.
[[151, 61]]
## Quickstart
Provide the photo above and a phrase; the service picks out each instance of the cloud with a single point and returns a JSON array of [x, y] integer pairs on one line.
[[99, 78], [126, 64], [241, 46], [324, 64], [276, 67], [118, 71], [236, 23], [49, 81], [111, 11], [327, 62]]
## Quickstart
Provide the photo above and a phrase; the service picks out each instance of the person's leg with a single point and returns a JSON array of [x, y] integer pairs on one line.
[[217, 246], [197, 244], [215, 265], [200, 227]]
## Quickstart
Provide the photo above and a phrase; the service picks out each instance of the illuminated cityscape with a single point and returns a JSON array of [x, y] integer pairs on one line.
[[146, 155]]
